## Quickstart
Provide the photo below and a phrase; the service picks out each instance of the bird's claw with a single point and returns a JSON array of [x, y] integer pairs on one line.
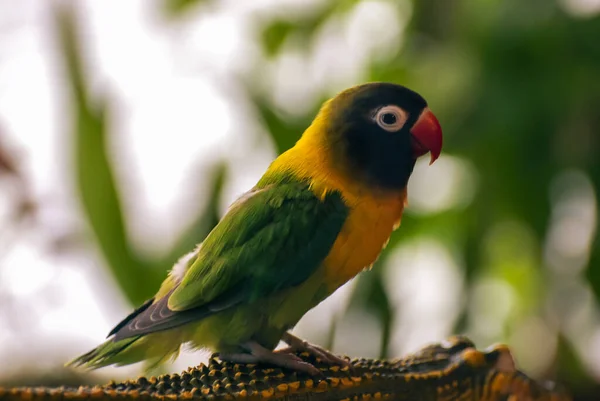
[[258, 354], [298, 345]]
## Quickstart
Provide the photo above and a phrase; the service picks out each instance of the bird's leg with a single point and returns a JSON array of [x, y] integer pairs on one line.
[[237, 357], [297, 344], [259, 354]]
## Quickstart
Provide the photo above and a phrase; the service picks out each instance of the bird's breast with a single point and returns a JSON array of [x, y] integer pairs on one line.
[[364, 235]]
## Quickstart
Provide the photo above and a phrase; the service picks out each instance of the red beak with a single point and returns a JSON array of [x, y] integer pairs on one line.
[[427, 136]]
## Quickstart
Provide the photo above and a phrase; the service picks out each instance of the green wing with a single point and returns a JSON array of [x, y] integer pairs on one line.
[[271, 239]]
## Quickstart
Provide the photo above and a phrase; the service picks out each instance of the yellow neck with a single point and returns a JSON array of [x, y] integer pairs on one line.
[[311, 159]]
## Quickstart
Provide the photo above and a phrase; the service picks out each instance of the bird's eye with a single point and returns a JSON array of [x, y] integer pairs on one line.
[[390, 118]]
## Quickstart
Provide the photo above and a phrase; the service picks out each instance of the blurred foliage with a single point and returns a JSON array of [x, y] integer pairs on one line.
[[175, 8], [96, 183], [99, 193], [515, 86]]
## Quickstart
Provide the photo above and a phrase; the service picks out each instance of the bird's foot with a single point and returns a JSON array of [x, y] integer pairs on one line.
[[259, 354], [297, 344]]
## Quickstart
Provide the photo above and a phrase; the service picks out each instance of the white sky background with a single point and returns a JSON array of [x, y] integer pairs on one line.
[[177, 109]]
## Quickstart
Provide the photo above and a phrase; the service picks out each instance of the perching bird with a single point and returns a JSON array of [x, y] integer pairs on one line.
[[320, 214]]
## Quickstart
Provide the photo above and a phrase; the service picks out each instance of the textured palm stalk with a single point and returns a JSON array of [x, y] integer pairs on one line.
[[453, 370]]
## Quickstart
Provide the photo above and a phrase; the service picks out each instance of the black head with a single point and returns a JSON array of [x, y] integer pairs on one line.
[[376, 131]]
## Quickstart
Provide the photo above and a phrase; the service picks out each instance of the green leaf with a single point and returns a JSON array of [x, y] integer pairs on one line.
[[176, 8], [94, 173], [274, 35], [283, 130]]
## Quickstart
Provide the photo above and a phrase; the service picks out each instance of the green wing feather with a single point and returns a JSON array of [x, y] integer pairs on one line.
[[274, 239], [271, 239]]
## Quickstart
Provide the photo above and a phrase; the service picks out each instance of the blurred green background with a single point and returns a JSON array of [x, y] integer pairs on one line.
[[126, 129]]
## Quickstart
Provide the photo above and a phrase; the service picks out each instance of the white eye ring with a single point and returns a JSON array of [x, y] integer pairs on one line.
[[391, 118]]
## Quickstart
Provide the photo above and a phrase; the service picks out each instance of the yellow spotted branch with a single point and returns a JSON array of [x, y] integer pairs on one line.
[[453, 370]]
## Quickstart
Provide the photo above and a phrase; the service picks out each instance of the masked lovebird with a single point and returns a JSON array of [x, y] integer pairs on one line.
[[320, 214]]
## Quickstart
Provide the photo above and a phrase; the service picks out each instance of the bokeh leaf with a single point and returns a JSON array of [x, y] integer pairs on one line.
[[177, 8], [95, 178]]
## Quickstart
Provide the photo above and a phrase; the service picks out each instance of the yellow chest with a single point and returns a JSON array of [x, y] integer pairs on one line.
[[365, 233]]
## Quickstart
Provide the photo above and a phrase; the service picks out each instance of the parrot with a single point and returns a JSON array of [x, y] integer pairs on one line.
[[321, 213]]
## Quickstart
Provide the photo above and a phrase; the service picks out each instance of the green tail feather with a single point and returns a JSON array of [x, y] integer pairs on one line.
[[154, 349], [111, 352]]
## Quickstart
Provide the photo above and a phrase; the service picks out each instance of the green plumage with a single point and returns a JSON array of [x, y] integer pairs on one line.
[[274, 239], [252, 278]]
